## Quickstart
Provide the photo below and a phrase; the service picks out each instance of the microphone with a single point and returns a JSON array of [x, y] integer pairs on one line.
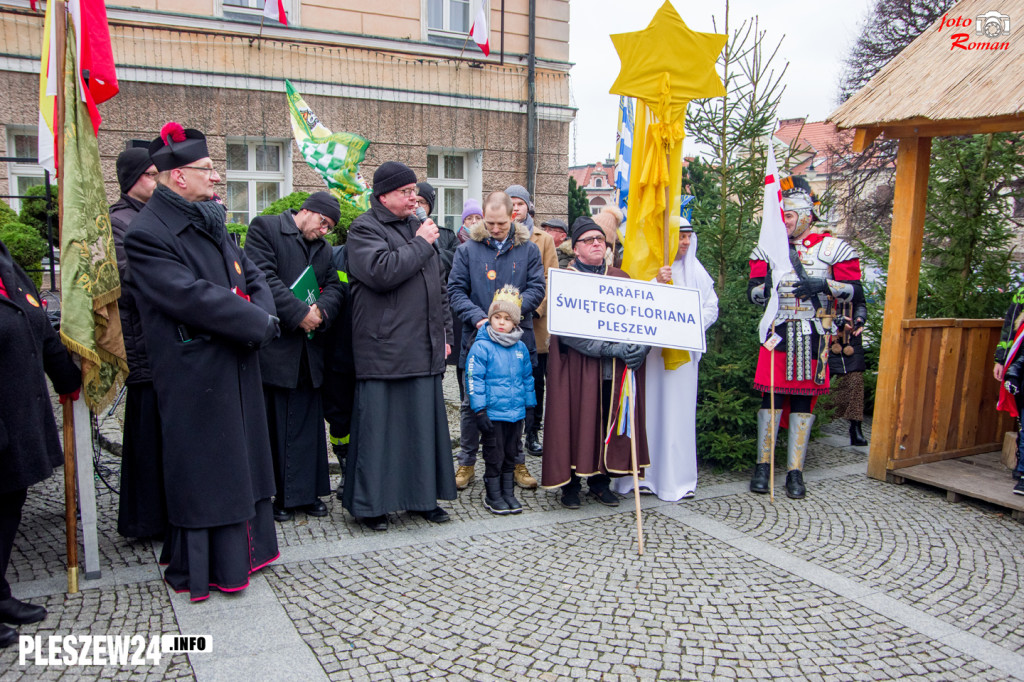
[[421, 215]]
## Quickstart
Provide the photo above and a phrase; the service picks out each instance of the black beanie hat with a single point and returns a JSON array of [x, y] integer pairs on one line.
[[581, 226], [131, 164], [427, 191], [392, 175], [177, 147], [324, 203]]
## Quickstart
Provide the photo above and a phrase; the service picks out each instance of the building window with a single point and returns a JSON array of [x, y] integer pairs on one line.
[[23, 144], [447, 22], [252, 11], [597, 182], [256, 177], [449, 175]]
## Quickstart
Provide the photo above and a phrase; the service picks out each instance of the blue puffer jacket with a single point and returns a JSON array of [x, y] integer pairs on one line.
[[499, 379]]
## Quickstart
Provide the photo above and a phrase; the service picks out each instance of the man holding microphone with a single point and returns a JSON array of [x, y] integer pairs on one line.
[[400, 453]]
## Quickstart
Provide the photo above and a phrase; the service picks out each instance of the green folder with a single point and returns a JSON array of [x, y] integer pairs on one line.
[[306, 289]]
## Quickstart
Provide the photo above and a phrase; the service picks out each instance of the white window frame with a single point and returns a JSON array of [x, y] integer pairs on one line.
[[283, 176], [446, 32], [20, 170], [471, 185], [291, 9]]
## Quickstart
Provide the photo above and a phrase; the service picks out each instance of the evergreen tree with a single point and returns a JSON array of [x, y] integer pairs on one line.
[[729, 190], [579, 205]]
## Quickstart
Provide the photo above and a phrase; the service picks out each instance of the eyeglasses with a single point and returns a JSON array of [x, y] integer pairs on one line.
[[324, 222], [211, 169], [589, 241], [407, 192]]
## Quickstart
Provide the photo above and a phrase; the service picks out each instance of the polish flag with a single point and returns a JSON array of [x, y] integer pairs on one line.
[[274, 9], [479, 31]]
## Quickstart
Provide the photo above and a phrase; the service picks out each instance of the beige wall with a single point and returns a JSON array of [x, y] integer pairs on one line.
[[397, 131]]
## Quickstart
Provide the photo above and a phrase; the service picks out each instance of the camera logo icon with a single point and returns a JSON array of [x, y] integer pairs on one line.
[[992, 24]]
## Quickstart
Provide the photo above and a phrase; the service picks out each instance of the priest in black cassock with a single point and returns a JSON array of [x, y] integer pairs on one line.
[[206, 310], [283, 246], [400, 455]]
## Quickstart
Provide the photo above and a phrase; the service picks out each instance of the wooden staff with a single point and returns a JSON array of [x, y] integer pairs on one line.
[[636, 468]]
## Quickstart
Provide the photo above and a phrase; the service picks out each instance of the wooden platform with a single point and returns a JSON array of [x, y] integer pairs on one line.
[[981, 477]]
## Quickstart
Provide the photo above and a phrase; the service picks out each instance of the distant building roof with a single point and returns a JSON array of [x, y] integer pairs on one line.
[[815, 143]]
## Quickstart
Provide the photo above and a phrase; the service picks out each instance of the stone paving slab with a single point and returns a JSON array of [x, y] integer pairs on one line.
[[960, 563], [573, 601]]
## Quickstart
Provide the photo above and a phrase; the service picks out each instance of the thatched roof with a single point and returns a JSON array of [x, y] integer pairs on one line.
[[931, 80]]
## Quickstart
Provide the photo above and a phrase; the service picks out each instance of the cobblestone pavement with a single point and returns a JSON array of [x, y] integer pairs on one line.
[[862, 580]]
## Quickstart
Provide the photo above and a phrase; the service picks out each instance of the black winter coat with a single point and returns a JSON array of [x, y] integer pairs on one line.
[[30, 350], [275, 246], [202, 339], [121, 215], [447, 242], [400, 316], [338, 338]]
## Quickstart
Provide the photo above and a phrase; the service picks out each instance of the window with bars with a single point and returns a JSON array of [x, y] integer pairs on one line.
[[449, 175], [24, 144], [256, 177]]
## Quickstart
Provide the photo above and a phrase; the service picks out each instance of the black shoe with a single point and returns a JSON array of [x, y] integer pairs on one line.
[[571, 499], [1019, 488], [508, 492], [318, 508], [856, 435], [533, 445], [493, 499], [605, 496], [340, 491], [8, 636], [375, 522], [759, 481], [17, 612], [795, 487], [435, 515], [281, 514]]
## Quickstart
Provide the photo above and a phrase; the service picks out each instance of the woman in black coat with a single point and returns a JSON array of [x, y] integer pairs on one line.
[[30, 350]]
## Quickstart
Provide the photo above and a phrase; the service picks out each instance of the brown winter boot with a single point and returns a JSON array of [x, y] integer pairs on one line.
[[463, 476], [523, 478]]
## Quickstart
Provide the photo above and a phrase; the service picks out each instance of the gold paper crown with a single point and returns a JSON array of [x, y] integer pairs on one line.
[[508, 294]]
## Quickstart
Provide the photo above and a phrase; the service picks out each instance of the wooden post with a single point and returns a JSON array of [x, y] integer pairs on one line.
[[909, 202]]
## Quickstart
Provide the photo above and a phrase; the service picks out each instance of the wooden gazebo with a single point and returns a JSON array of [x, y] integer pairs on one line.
[[936, 397]]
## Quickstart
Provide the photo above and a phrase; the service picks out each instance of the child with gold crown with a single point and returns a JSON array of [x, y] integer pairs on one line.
[[499, 378]]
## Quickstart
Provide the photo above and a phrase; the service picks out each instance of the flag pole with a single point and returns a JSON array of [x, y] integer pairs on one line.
[[771, 424], [70, 496]]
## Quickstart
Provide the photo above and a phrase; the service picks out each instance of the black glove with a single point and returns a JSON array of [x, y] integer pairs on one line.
[[858, 323], [809, 286], [635, 355], [768, 283], [273, 330], [613, 350], [483, 423], [530, 416]]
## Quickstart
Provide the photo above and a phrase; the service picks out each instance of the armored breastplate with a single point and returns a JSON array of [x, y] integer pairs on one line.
[[790, 307]]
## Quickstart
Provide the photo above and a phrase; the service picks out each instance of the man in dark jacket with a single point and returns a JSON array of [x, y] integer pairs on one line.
[[498, 252], [30, 350], [206, 310], [400, 453], [339, 386], [284, 247], [447, 241], [142, 508]]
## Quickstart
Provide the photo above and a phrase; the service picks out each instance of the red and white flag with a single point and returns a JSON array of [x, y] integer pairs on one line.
[[481, 36], [274, 9], [773, 242]]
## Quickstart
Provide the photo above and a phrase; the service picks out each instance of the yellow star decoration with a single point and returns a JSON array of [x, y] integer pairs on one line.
[[669, 46], [664, 66]]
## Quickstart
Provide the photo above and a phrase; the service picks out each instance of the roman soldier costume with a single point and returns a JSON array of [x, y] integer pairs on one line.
[[826, 270]]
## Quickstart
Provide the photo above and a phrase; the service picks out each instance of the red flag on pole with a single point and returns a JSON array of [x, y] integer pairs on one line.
[[274, 9], [481, 36], [97, 78]]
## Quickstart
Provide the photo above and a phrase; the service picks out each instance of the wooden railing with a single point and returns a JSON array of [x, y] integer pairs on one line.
[[947, 397]]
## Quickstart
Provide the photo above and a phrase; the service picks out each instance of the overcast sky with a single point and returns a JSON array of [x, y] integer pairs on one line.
[[816, 36]]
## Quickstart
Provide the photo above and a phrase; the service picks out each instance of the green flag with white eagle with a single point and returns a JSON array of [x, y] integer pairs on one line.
[[335, 156], [89, 284]]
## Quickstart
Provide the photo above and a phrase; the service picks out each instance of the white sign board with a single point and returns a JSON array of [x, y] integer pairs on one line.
[[624, 310]]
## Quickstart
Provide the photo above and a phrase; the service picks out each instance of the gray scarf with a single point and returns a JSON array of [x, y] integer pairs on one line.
[[508, 339], [208, 215]]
